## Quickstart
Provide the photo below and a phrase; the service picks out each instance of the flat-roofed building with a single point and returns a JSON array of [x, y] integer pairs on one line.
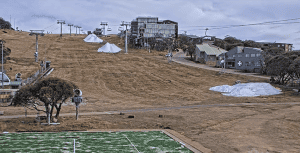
[[287, 47], [150, 27]]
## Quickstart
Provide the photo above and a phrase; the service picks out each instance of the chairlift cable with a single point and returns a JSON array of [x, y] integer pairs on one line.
[[270, 22]]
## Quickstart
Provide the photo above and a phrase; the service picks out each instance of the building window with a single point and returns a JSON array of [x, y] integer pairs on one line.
[[247, 55], [252, 55], [257, 55], [233, 55], [247, 63], [240, 55], [278, 45]]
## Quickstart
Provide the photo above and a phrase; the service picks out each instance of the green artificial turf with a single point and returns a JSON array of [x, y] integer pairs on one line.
[[111, 142]]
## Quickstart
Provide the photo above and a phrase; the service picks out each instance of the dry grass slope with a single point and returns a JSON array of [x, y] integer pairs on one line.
[[146, 80]]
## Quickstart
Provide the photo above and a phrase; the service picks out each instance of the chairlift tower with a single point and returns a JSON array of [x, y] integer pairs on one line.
[[125, 24], [70, 27], [103, 24], [61, 22], [79, 29], [76, 29], [36, 33]]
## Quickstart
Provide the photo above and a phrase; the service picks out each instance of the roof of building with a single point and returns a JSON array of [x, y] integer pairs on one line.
[[192, 36], [166, 21], [273, 43], [241, 48], [210, 50], [148, 17]]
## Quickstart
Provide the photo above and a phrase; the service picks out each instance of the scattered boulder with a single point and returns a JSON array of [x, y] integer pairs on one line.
[[1, 112]]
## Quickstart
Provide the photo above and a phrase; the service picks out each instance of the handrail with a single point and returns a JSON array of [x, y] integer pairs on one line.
[[35, 76]]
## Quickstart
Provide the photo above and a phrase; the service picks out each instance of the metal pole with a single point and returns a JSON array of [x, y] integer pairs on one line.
[[2, 64], [60, 29], [224, 62], [77, 110], [126, 43], [45, 58], [37, 46], [70, 30], [104, 29]]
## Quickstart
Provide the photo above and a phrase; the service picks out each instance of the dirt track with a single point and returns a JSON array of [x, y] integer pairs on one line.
[[142, 80]]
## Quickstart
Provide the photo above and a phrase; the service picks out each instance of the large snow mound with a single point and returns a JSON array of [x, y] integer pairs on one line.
[[247, 89]]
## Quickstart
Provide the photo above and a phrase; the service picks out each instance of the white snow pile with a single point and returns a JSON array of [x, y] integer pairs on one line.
[[247, 89], [92, 38]]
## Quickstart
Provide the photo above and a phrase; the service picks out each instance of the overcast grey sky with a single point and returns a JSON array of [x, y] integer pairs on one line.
[[43, 15]]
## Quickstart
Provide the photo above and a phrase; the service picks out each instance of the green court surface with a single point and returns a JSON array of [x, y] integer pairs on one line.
[[111, 142]]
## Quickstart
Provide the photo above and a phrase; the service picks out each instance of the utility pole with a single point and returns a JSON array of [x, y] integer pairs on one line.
[[79, 30], [2, 41], [103, 26], [125, 24], [36, 33], [61, 22], [70, 27], [14, 23]]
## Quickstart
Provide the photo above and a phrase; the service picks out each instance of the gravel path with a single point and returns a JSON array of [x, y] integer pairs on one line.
[[157, 109]]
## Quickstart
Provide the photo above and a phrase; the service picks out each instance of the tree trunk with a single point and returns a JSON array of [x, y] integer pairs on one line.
[[52, 107], [57, 110], [48, 113]]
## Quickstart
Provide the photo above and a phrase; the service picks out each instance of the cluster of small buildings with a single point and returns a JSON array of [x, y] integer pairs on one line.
[[240, 57], [143, 28]]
